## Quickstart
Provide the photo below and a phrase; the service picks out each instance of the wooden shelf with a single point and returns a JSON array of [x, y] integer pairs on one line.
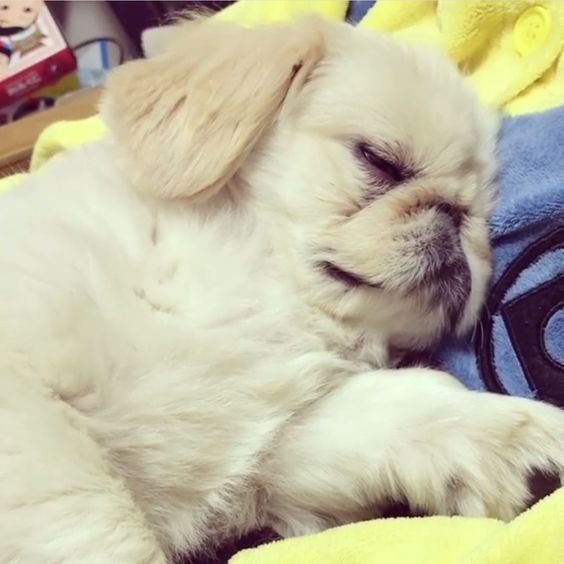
[[18, 138]]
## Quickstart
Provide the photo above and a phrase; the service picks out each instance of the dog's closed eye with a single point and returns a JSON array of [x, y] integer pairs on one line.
[[383, 170]]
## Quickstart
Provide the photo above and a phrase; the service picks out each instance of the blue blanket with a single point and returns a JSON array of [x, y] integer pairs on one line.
[[518, 348]]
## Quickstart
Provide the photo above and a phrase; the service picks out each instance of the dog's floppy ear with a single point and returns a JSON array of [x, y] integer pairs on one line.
[[187, 118]]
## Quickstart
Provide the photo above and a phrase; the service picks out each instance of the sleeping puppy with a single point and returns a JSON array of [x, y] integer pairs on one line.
[[197, 312]]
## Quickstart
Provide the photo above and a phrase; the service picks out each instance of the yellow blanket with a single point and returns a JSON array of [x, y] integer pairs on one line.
[[55, 139], [533, 538], [511, 50]]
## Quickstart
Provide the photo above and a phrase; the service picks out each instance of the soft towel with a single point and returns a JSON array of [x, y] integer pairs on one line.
[[535, 537], [511, 50], [253, 12], [56, 138], [519, 347]]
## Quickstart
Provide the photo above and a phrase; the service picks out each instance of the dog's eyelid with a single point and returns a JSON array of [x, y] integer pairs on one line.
[[382, 160]]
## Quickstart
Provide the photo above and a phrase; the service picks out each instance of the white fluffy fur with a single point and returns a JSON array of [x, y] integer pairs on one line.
[[177, 373]]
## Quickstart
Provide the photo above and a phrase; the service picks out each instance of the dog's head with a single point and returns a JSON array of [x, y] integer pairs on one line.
[[373, 159]]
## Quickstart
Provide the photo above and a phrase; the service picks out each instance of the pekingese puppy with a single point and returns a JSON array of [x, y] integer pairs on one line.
[[197, 312]]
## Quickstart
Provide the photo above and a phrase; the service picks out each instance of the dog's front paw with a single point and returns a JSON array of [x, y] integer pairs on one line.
[[509, 441], [418, 439]]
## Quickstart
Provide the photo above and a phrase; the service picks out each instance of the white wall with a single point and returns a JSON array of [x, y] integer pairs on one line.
[[85, 19]]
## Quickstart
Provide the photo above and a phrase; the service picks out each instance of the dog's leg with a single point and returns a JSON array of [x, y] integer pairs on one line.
[[410, 435], [59, 502]]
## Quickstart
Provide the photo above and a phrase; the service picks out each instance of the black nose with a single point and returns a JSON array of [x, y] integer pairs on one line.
[[455, 214]]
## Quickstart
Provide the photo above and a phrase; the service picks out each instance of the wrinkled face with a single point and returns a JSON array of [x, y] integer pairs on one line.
[[19, 13], [384, 171]]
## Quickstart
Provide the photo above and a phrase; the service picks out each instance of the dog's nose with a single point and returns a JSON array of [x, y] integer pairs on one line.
[[447, 276], [450, 286]]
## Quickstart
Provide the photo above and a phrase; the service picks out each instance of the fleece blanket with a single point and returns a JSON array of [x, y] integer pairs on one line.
[[519, 345], [533, 538], [511, 50]]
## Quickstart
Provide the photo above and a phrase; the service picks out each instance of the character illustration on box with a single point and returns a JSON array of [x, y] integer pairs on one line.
[[19, 32]]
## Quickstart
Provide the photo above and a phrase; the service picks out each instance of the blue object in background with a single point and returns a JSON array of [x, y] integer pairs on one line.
[[105, 55], [96, 57], [357, 9]]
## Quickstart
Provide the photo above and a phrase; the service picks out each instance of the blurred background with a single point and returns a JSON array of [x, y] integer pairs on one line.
[[51, 49]]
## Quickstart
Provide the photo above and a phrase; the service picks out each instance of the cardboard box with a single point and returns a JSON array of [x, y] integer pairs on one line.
[[33, 52]]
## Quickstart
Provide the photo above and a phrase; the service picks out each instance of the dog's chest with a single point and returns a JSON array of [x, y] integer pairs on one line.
[[222, 360]]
